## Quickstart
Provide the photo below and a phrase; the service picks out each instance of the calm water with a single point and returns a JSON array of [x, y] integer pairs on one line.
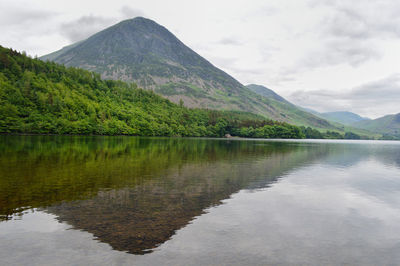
[[155, 201]]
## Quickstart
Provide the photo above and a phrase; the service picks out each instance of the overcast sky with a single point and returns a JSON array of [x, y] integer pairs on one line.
[[321, 54]]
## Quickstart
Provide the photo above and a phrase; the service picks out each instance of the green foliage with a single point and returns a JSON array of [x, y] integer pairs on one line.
[[332, 135], [311, 133], [390, 137], [351, 135], [47, 98]]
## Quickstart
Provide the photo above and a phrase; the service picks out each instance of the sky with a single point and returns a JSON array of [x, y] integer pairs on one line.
[[328, 55]]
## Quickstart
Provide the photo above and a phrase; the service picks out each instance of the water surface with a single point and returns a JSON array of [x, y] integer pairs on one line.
[[164, 201]]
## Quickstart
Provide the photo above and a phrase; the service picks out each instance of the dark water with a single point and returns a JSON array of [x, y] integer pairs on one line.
[[155, 201]]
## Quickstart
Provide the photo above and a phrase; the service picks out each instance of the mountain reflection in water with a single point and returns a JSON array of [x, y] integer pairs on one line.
[[134, 193]]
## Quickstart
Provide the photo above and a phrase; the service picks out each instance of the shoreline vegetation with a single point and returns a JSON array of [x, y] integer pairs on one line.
[[41, 98], [205, 137]]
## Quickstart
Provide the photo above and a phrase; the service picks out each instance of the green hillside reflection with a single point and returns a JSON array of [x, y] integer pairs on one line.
[[134, 193]]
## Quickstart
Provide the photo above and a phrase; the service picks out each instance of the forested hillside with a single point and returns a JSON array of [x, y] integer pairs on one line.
[[47, 98]]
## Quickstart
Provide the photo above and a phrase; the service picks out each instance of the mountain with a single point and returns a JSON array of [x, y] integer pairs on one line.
[[140, 50], [387, 125], [311, 111], [344, 117], [146, 53], [341, 117], [268, 93]]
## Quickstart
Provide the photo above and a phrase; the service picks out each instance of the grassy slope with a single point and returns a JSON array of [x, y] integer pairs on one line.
[[389, 124], [345, 118]]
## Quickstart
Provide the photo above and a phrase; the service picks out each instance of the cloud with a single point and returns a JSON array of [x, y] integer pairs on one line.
[[231, 65], [223, 62], [248, 70], [349, 33], [22, 25], [333, 52], [128, 12], [384, 89], [229, 41], [88, 25], [20, 16], [341, 51], [362, 19], [373, 99], [84, 27], [262, 11]]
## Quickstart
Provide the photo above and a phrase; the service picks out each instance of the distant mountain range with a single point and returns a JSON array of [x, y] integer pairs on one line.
[[342, 117], [140, 50], [388, 125]]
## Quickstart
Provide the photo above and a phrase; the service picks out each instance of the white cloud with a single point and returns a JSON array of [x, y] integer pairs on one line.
[[17, 15], [84, 27], [88, 25], [362, 19], [372, 99], [128, 12]]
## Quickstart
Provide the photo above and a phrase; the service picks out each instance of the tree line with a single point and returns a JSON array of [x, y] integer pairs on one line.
[[48, 98]]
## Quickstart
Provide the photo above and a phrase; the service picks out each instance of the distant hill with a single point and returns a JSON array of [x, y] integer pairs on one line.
[[311, 111], [341, 117], [342, 120], [346, 118], [268, 93], [140, 50], [387, 125]]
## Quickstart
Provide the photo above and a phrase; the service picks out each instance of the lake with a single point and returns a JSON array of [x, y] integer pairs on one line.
[[86, 200]]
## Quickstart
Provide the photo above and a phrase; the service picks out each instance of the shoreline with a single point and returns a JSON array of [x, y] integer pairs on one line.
[[203, 137]]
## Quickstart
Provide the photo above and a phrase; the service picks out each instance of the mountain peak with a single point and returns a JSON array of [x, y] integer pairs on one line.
[[139, 18], [138, 22], [142, 51]]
